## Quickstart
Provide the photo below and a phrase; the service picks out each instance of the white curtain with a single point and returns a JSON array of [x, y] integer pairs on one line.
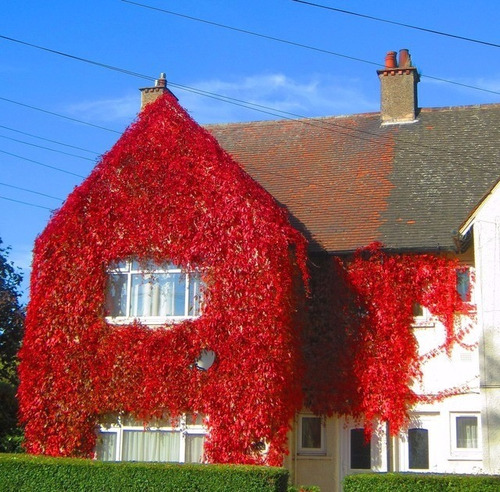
[[106, 446], [466, 432], [194, 448], [141, 445], [158, 294]]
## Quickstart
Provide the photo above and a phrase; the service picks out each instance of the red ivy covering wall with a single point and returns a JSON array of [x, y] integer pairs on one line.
[[165, 191], [361, 354]]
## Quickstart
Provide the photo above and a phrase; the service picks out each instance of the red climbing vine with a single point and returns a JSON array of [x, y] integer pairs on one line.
[[165, 192], [366, 346]]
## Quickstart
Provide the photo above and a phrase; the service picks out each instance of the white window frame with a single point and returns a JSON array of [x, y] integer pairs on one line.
[[183, 428], [126, 268], [464, 453], [425, 320], [321, 450]]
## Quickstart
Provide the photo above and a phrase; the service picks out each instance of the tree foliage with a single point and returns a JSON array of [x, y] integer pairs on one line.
[[11, 332]]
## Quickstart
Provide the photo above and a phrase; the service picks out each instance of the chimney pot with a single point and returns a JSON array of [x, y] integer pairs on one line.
[[404, 58], [162, 81], [390, 60]]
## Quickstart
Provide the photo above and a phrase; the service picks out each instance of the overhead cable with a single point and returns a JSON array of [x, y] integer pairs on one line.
[[59, 115], [31, 191], [387, 21], [47, 148], [272, 38], [41, 164], [49, 140], [25, 203]]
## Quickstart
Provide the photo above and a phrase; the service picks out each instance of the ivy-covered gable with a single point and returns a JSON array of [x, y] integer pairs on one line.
[[166, 192]]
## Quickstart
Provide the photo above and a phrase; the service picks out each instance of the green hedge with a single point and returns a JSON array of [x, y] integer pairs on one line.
[[42, 474], [421, 482]]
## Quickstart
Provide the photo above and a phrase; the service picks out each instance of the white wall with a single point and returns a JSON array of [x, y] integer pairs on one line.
[[486, 229]]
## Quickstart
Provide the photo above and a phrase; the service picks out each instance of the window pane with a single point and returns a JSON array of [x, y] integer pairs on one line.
[[179, 292], [194, 448], [194, 295], [463, 284], [140, 296], [141, 445], [106, 446], [466, 432], [360, 450], [418, 310], [311, 432], [116, 301], [418, 449]]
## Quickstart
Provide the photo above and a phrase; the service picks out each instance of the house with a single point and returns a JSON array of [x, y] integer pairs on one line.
[[375, 349]]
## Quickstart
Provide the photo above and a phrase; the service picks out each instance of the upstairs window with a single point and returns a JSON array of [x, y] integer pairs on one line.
[[152, 292], [464, 283]]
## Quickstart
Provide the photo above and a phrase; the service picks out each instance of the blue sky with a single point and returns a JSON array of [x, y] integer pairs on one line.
[[285, 77]]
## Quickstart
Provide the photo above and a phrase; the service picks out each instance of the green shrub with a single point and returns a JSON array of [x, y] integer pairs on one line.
[[421, 482], [41, 474]]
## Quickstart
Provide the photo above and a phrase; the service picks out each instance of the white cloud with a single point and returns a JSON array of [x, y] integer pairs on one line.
[[271, 94], [107, 110], [312, 96]]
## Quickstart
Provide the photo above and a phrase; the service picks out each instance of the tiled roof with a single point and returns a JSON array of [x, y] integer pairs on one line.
[[348, 181]]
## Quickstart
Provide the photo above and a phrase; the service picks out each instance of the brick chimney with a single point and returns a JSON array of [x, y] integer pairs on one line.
[[150, 94], [398, 89]]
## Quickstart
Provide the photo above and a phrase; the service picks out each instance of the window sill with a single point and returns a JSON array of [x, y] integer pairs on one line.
[[312, 456], [472, 456], [423, 323], [150, 321]]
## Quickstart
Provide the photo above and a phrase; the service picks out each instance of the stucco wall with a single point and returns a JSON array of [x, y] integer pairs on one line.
[[487, 251]]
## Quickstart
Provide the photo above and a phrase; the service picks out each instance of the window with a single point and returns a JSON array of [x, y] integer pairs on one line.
[[152, 292], [418, 449], [466, 435], [360, 450], [466, 428], [311, 435], [464, 283], [165, 441], [421, 316]]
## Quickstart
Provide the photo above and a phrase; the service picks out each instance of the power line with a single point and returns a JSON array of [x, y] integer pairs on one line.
[[74, 57], [227, 99], [47, 148], [252, 33], [25, 203], [387, 21], [31, 191], [58, 115], [49, 140], [41, 164], [272, 38]]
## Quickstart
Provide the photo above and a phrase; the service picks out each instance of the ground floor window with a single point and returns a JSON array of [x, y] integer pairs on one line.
[[311, 435], [126, 439], [466, 427]]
